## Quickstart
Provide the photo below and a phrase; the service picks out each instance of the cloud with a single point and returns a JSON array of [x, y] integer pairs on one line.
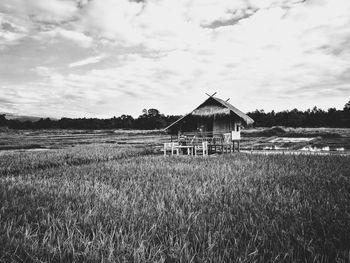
[[112, 20], [5, 101], [10, 38], [87, 61], [43, 71], [10, 32], [59, 33], [49, 11]]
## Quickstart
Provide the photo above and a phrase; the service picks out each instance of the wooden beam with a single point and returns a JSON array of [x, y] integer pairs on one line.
[[210, 95]]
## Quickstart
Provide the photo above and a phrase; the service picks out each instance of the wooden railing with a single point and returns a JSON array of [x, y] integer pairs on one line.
[[218, 142], [203, 134], [196, 138]]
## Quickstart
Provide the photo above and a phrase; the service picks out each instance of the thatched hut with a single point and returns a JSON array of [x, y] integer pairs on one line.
[[215, 120]]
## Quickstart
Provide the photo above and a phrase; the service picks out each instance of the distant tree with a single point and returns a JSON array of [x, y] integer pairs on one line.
[[347, 106], [346, 115], [295, 118], [44, 123], [2, 120], [153, 112], [315, 110], [127, 121]]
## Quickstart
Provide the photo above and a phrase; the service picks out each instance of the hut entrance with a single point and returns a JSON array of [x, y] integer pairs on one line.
[[205, 125]]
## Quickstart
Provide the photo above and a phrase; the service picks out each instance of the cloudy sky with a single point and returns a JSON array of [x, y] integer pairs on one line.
[[100, 58]]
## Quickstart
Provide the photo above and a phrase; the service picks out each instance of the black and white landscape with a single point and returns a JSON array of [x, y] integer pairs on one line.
[[174, 131]]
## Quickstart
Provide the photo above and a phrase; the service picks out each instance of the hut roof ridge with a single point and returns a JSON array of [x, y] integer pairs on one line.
[[241, 114]]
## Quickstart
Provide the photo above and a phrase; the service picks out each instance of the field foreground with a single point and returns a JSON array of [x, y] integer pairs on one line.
[[117, 203]]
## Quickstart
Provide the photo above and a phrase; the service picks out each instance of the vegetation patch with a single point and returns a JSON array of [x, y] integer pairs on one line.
[[93, 204], [267, 132]]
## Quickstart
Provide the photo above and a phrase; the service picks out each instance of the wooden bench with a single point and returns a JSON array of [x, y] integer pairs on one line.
[[172, 147], [201, 148], [197, 149]]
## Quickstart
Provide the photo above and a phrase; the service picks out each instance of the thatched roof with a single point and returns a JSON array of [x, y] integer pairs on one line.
[[210, 110], [236, 111], [214, 106]]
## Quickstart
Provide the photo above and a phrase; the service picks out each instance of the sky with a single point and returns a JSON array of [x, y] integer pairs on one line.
[[105, 58]]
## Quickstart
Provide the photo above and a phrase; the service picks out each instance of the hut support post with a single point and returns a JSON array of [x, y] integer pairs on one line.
[[238, 148]]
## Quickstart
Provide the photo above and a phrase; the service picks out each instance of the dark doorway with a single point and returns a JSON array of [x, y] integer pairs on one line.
[[205, 124]]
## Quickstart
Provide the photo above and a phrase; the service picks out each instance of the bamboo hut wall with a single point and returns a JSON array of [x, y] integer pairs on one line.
[[223, 124], [194, 124], [205, 124]]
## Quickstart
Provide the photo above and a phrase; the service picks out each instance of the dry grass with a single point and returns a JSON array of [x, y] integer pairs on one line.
[[107, 204]]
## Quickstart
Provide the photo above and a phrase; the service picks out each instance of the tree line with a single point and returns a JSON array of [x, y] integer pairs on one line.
[[149, 120], [153, 119], [310, 118]]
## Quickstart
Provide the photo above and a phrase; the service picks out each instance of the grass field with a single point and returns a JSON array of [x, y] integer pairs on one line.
[[120, 203]]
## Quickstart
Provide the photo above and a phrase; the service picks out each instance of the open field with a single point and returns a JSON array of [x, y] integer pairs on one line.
[[58, 139], [326, 140], [332, 140], [108, 202]]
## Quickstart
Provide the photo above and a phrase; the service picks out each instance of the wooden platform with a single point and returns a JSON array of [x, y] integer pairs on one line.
[[200, 149], [190, 142]]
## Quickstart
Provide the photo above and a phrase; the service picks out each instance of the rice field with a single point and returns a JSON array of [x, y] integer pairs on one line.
[[123, 203], [327, 140]]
